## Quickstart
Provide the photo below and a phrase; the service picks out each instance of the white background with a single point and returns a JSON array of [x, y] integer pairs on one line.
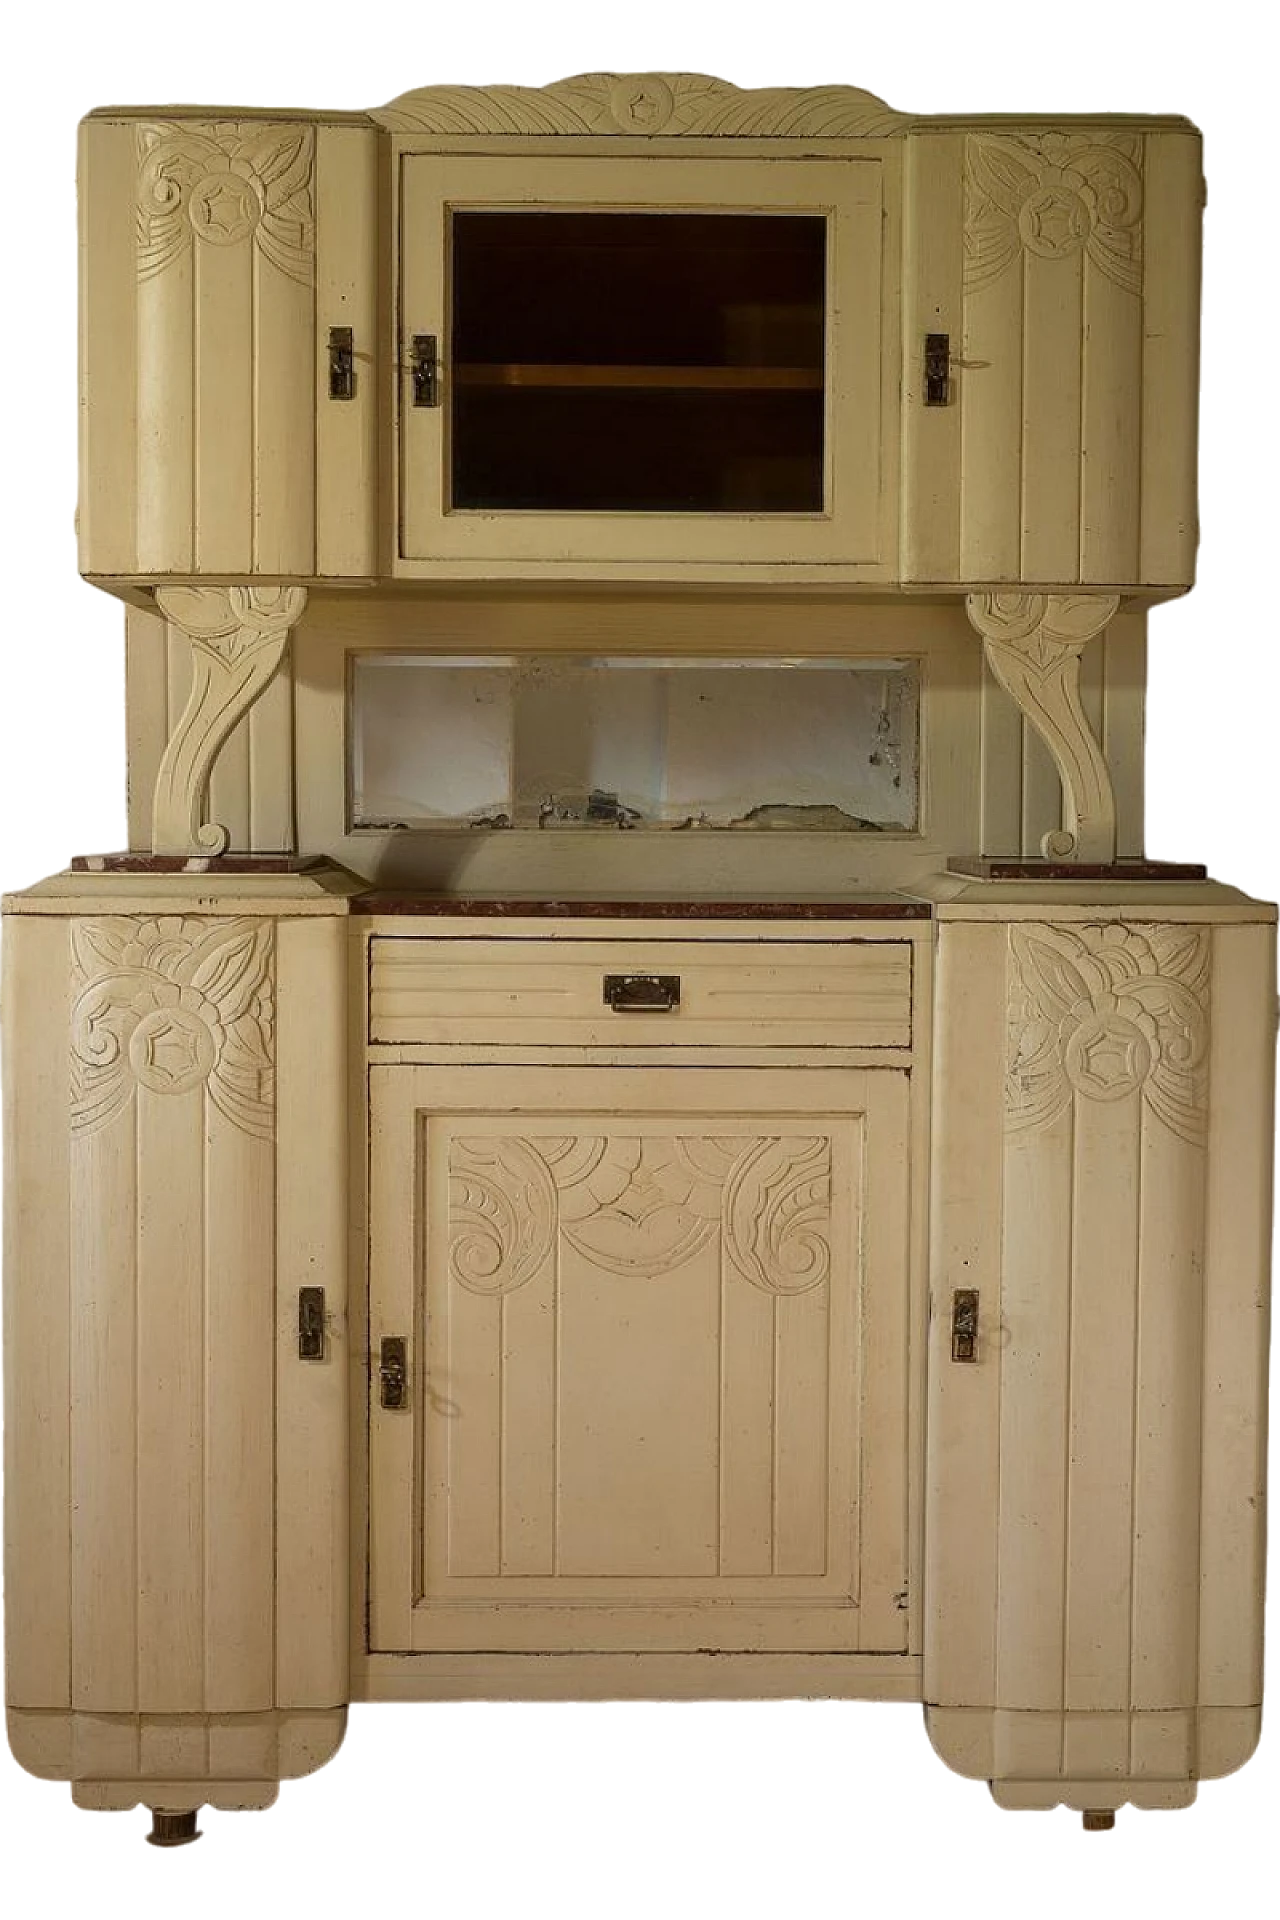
[[620, 1811]]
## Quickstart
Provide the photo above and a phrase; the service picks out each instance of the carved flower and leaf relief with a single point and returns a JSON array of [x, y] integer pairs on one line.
[[224, 182], [640, 1206], [1105, 1012], [173, 1004], [1054, 196]]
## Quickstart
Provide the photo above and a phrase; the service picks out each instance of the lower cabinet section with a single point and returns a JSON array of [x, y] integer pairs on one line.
[[646, 1342], [1095, 1482], [654, 1324], [176, 1482]]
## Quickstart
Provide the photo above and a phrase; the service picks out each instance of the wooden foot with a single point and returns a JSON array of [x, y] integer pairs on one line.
[[173, 1829], [1099, 1819]]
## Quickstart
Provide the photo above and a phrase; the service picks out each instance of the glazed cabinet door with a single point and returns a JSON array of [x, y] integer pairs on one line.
[[639, 1347], [651, 361]]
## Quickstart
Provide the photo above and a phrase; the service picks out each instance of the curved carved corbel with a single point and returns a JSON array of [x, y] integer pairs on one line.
[[238, 638], [1034, 642]]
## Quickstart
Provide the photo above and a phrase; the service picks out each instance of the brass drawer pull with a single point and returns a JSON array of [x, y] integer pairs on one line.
[[642, 992]]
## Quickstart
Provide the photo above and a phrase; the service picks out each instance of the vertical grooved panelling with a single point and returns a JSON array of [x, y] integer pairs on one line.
[[933, 244], [1170, 358], [991, 428], [1123, 734], [225, 344], [1002, 809], [1103, 1252], [312, 1563], [1052, 345], [107, 173], [172, 1255], [44, 1358], [1237, 1254], [346, 295], [1111, 427], [1052, 378], [146, 715], [104, 1361], [963, 1492]]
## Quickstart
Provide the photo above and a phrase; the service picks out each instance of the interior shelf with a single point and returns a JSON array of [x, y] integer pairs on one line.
[[722, 378]]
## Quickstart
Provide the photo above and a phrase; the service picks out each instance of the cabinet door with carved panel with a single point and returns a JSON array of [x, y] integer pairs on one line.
[[1094, 1503], [216, 255], [655, 1334]]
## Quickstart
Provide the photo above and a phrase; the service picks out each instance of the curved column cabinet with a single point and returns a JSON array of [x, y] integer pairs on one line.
[[633, 1118]]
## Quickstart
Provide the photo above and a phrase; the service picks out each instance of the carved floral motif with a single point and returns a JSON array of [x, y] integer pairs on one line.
[[1104, 1012], [642, 103], [640, 1206], [1033, 644], [238, 637], [224, 182], [172, 1004], [1053, 195]]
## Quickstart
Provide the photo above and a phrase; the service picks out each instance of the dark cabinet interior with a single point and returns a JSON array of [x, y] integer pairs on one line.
[[637, 362]]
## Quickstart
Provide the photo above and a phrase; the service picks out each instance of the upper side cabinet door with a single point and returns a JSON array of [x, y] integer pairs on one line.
[[207, 248], [641, 361], [1064, 267]]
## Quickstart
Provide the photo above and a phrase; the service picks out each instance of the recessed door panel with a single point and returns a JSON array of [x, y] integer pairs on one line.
[[654, 1356]]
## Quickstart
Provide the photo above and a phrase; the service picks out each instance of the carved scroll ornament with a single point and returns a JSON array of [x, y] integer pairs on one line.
[[640, 1207], [1033, 642], [1107, 1011], [643, 103], [1055, 196], [238, 637], [171, 1005], [223, 183]]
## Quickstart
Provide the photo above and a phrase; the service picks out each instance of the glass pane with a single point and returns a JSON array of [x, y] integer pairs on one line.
[[431, 746], [824, 746], [639, 362]]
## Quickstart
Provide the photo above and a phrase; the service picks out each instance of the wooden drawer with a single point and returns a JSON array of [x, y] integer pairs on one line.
[[839, 993]]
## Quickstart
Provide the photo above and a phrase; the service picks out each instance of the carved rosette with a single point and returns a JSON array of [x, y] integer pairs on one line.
[[1033, 643], [223, 183], [238, 637], [652, 104], [1103, 1012], [171, 1005], [640, 1207], [1054, 196]]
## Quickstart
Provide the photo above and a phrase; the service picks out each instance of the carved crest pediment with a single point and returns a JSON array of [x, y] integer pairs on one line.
[[666, 104]]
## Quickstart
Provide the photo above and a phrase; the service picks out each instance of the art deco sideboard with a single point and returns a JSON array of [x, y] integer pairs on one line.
[[634, 1120]]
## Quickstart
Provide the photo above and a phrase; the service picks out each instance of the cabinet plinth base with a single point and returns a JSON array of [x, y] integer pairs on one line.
[[176, 1829]]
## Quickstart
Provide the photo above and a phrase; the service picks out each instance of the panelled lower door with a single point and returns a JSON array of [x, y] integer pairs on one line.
[[657, 1333]]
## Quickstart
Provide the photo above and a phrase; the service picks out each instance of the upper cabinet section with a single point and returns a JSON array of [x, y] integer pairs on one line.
[[639, 327]]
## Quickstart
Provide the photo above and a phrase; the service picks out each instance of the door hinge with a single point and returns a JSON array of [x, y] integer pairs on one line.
[[964, 1324], [311, 1323], [425, 367], [342, 364], [393, 1374], [937, 369]]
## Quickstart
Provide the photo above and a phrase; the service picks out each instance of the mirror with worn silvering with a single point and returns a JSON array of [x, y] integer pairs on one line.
[[549, 743]]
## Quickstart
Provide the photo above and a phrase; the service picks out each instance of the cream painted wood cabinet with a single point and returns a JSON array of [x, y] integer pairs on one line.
[[634, 1120]]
